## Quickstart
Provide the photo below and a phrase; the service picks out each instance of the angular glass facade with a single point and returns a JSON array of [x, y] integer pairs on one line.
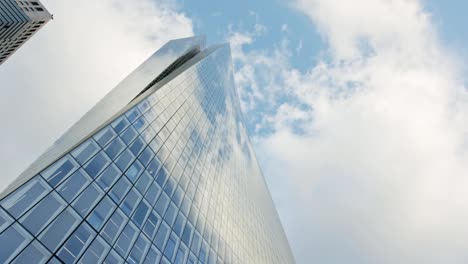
[[171, 178]]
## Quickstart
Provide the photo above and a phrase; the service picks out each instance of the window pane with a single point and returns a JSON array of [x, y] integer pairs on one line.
[[171, 214], [137, 146], [5, 220], [152, 193], [141, 213], [85, 151], [73, 186], [76, 244], [120, 124], [170, 247], [25, 197], [153, 167], [126, 239], [134, 171], [115, 148], [187, 234], [13, 240], [124, 160], [96, 252], [114, 226], [161, 236], [146, 156], [60, 170], [150, 226], [59, 229], [129, 203], [34, 253], [43, 213], [101, 213], [162, 203], [153, 256], [113, 258], [109, 177], [139, 250], [132, 114], [129, 135], [88, 199], [120, 189], [144, 182], [97, 164], [105, 136]]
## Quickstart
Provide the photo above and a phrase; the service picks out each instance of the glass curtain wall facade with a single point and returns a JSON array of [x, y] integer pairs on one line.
[[171, 178]]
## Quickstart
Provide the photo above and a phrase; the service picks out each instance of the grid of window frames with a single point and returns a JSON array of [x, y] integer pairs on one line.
[[172, 180]]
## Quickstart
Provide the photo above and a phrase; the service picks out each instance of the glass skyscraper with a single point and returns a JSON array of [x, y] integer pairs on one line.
[[161, 170]]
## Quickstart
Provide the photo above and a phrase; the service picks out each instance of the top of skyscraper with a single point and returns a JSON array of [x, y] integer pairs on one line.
[[19, 20]]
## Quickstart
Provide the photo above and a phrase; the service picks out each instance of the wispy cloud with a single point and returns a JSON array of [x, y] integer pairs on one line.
[[70, 64], [369, 145]]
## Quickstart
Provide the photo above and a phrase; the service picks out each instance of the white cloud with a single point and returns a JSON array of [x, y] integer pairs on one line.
[[377, 171], [70, 64]]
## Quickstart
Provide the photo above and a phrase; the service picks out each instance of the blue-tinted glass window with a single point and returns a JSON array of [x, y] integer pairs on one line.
[[96, 252], [144, 182], [120, 124], [60, 170], [177, 196], [114, 226], [141, 213], [137, 146], [130, 202], [171, 214], [192, 259], [59, 229], [196, 242], [161, 177], [152, 256], [110, 175], [113, 258], [13, 240], [134, 171], [139, 250], [76, 244], [146, 156], [152, 193], [148, 134], [140, 124], [129, 135], [162, 203], [97, 164], [179, 224], [105, 136], [124, 160], [213, 257], [33, 253], [132, 114], [170, 247], [187, 234], [5, 220], [143, 106], [43, 213], [73, 186], [161, 236], [126, 239], [85, 151], [150, 225], [180, 256], [101, 213], [115, 148], [120, 189], [170, 186], [153, 166], [88, 199]]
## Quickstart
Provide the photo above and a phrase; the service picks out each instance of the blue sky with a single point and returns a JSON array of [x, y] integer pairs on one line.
[[357, 109]]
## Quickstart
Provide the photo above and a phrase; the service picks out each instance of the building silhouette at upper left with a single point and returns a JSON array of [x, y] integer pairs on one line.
[[19, 20]]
